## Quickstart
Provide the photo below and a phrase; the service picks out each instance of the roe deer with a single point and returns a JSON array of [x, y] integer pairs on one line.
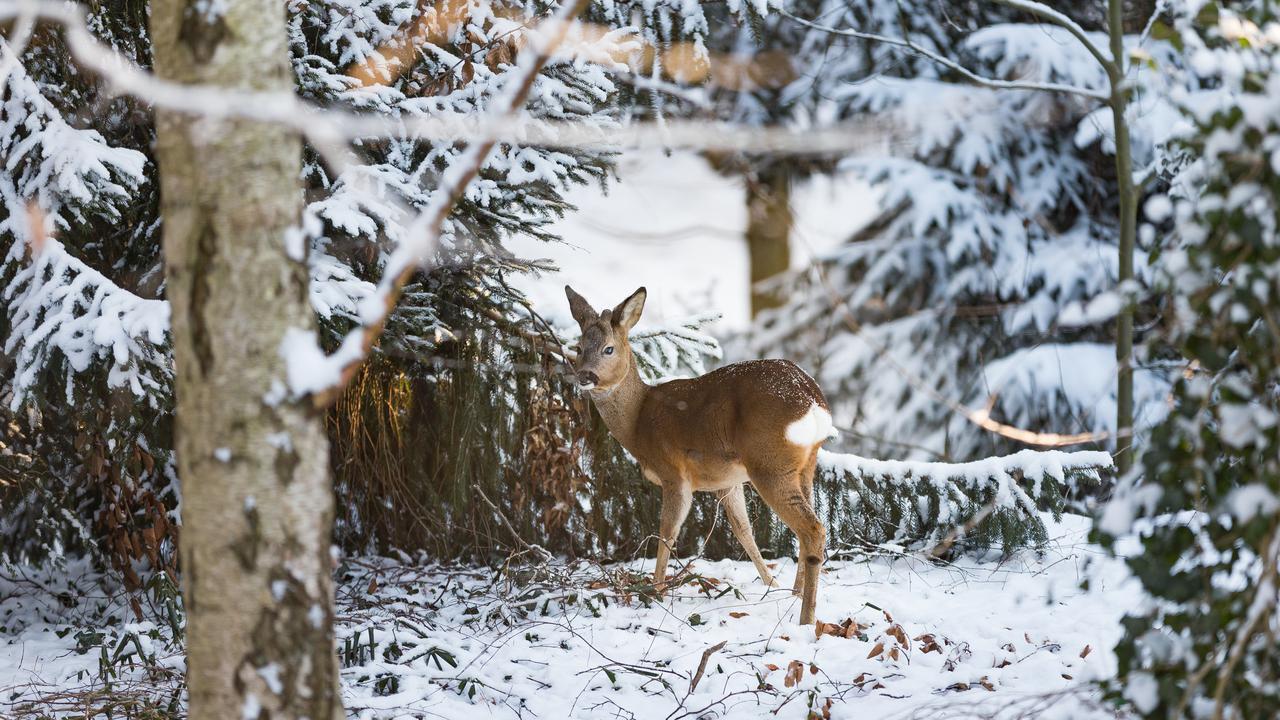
[[760, 422]]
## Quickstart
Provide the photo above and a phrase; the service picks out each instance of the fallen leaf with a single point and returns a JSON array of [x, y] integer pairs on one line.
[[373, 585], [771, 666], [795, 671], [987, 684], [899, 634], [1085, 652], [958, 686], [738, 614], [1068, 677], [813, 669], [879, 648]]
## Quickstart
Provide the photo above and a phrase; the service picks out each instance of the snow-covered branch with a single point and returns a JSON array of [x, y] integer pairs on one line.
[[932, 502], [327, 128], [1055, 17], [424, 233], [57, 303], [952, 64]]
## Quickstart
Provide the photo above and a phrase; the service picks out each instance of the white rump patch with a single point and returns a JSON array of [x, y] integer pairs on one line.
[[811, 429]]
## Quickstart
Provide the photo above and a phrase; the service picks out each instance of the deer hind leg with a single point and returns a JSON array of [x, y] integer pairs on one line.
[[785, 496], [806, 488], [676, 499], [734, 502]]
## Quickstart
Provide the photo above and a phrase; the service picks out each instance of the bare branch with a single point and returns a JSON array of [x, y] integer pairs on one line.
[[1053, 17], [952, 64]]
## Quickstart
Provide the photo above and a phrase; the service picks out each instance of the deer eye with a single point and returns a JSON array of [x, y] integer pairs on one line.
[[608, 350]]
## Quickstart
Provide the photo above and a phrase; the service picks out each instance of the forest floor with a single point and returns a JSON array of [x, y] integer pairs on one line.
[[995, 637]]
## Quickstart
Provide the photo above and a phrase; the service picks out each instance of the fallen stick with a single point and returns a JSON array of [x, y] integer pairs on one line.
[[702, 666]]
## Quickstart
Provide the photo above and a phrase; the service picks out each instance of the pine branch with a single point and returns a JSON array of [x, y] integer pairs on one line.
[[325, 128], [424, 238]]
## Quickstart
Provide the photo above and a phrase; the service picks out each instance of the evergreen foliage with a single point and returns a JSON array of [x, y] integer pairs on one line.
[[1204, 643], [987, 279]]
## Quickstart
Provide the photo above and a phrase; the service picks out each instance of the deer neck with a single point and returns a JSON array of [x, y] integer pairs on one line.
[[620, 405]]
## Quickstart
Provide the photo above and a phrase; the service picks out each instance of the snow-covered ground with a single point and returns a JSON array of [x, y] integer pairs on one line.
[[1017, 637], [675, 226]]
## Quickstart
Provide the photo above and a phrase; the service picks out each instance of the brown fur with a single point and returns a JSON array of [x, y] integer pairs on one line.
[[712, 433]]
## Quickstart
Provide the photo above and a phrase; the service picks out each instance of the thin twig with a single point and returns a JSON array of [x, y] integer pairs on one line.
[[952, 64]]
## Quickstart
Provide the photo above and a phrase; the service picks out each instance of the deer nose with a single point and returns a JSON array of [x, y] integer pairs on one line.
[[588, 378]]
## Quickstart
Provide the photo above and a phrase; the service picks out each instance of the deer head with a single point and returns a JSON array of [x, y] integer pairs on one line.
[[604, 355]]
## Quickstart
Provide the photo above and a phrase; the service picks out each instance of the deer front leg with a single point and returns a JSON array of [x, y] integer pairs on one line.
[[676, 499]]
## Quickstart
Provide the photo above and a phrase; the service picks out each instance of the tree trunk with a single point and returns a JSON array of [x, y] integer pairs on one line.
[[1128, 229], [257, 504], [768, 232]]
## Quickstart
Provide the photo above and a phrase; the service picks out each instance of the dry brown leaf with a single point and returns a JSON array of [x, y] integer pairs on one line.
[[898, 634], [986, 683], [795, 671], [373, 585], [879, 648], [958, 686], [771, 666], [928, 643], [813, 669], [1085, 652], [738, 614], [893, 653], [1066, 676]]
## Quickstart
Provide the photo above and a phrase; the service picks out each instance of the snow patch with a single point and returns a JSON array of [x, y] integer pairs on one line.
[[1248, 501]]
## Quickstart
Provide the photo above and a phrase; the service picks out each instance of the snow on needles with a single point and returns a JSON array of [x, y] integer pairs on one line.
[[1017, 479]]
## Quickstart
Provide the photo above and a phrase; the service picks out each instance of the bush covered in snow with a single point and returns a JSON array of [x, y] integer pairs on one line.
[[1203, 644]]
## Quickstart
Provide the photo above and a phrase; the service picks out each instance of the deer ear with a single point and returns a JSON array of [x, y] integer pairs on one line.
[[627, 314], [579, 307]]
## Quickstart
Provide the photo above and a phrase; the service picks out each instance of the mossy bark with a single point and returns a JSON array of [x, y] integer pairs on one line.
[[257, 502]]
